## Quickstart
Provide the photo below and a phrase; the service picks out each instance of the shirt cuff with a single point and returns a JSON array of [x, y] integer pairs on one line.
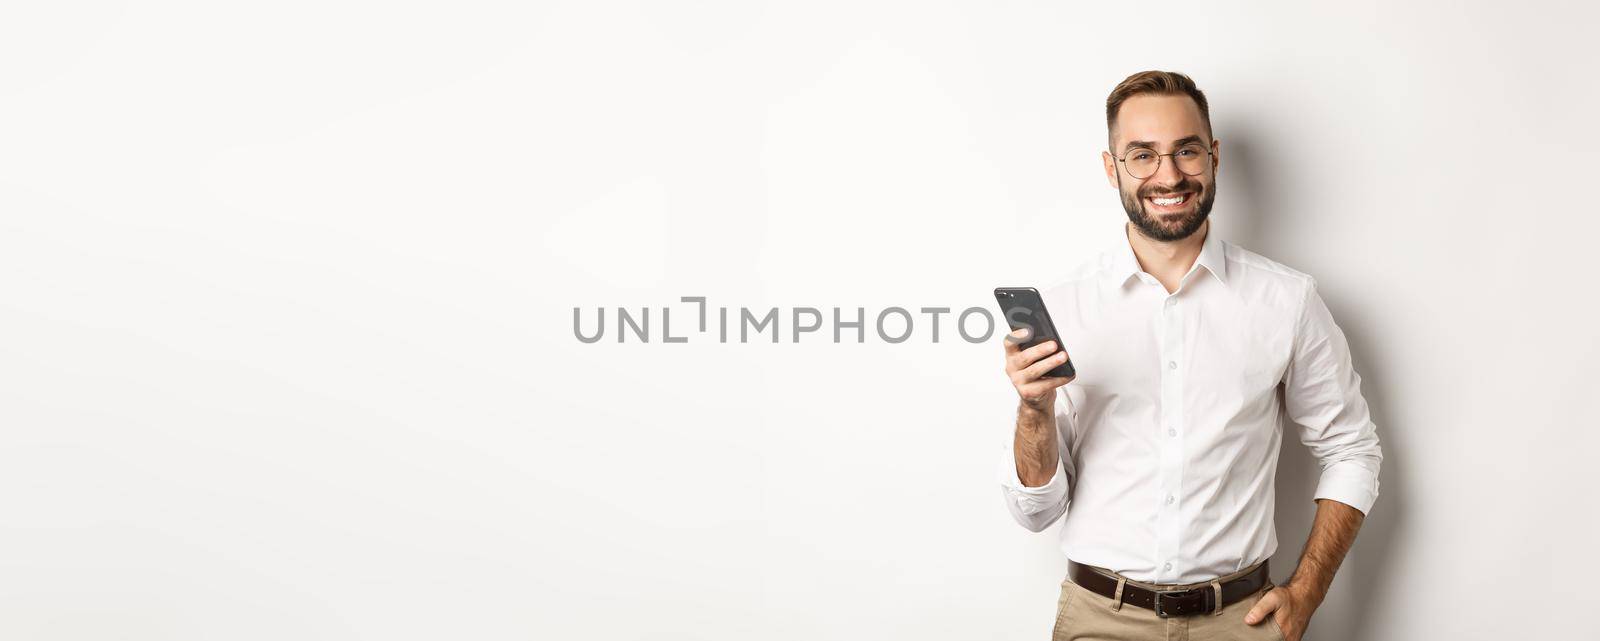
[[1032, 500], [1349, 483]]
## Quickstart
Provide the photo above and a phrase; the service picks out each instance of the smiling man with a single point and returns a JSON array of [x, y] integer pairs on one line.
[[1160, 456]]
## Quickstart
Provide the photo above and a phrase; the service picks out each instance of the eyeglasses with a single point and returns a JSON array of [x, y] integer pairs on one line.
[[1191, 159]]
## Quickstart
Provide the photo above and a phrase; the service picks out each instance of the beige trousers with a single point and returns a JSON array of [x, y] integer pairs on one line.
[[1082, 615]]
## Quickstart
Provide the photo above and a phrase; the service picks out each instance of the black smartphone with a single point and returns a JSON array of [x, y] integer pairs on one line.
[[1024, 309]]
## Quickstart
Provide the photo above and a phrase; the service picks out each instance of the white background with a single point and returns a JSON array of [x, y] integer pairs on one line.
[[286, 297]]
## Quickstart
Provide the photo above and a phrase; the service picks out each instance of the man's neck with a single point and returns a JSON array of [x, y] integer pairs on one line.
[[1167, 261]]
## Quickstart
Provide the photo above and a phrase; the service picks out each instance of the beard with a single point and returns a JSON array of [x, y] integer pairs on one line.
[[1168, 228]]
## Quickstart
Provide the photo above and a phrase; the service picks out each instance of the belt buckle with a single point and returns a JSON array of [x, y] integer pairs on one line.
[[1176, 596], [1159, 612]]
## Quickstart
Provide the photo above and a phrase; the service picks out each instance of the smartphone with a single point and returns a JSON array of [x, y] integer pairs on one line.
[[1024, 309]]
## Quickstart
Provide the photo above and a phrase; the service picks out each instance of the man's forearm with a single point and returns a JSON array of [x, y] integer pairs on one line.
[[1332, 533], [1035, 446]]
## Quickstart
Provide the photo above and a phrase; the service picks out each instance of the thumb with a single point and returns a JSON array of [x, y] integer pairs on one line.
[[1264, 607]]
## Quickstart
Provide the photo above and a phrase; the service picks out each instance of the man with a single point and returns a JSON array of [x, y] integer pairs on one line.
[[1162, 452]]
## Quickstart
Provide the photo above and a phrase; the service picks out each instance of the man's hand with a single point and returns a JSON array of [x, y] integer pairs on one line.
[[1288, 606], [1292, 603], [1027, 367]]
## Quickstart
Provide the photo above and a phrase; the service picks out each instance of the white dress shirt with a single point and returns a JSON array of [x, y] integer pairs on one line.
[[1169, 435]]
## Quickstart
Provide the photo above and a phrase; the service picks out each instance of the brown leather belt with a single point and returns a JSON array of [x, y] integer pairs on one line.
[[1199, 600]]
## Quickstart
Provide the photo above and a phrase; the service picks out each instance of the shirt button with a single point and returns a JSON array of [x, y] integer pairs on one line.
[[1172, 364], [1171, 302], [1167, 566], [1169, 499], [1172, 432]]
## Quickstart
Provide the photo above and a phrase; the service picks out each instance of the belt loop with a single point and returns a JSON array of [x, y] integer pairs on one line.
[[1216, 586], [1116, 599]]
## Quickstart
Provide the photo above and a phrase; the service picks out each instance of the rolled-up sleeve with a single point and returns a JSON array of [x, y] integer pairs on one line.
[[1037, 507], [1322, 394]]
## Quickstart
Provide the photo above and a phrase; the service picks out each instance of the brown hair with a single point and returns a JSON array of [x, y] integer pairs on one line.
[[1169, 83]]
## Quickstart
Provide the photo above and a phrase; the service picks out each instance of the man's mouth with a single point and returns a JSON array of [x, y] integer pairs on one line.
[[1170, 201]]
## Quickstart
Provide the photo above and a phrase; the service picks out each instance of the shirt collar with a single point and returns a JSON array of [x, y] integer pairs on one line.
[[1124, 265]]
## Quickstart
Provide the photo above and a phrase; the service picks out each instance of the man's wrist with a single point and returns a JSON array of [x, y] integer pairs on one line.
[[1304, 592], [1035, 426], [1032, 416]]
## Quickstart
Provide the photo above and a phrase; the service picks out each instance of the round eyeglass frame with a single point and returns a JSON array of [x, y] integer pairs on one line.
[[1159, 160]]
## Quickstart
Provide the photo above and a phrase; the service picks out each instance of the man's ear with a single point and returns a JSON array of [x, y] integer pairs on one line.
[[1216, 155], [1111, 168]]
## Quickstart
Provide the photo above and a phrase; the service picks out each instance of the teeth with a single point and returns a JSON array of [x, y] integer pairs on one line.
[[1168, 201]]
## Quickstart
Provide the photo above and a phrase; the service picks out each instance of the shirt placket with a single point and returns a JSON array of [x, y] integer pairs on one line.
[[1170, 436]]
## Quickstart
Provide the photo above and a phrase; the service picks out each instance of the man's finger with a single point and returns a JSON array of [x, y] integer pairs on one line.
[[1040, 351], [1012, 346], [1018, 336], [1046, 364], [1028, 356], [1264, 607], [1048, 383], [1016, 360]]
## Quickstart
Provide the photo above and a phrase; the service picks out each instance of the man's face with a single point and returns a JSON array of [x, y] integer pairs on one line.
[[1163, 123]]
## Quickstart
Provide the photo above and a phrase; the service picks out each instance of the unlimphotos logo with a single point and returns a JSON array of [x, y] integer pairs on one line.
[[891, 324]]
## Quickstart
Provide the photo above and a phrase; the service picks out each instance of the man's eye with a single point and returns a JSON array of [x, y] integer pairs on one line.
[[1187, 153], [1142, 155]]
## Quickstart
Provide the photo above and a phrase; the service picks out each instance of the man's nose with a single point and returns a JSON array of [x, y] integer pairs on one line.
[[1167, 174]]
